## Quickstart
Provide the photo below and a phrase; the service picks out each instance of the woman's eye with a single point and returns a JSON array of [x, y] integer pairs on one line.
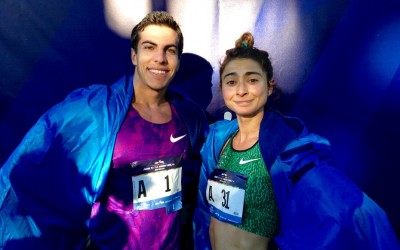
[[253, 80]]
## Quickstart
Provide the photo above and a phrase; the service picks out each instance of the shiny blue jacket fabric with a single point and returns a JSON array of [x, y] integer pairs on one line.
[[319, 207], [49, 183]]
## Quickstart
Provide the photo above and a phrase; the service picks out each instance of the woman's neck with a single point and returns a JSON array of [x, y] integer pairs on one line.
[[249, 129], [246, 137]]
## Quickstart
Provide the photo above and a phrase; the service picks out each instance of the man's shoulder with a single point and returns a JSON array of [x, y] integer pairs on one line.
[[120, 86], [91, 97]]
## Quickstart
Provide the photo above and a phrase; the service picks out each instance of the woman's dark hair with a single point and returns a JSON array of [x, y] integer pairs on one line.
[[161, 18], [244, 49]]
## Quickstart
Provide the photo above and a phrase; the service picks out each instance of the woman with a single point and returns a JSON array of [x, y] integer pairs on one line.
[[265, 176]]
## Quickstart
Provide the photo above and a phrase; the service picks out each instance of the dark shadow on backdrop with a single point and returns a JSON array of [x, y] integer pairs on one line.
[[49, 49], [194, 79]]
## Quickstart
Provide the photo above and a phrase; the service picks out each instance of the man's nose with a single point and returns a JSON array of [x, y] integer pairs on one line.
[[160, 56]]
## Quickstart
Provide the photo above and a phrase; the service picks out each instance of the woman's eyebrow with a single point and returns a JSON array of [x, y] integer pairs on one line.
[[229, 74], [253, 73]]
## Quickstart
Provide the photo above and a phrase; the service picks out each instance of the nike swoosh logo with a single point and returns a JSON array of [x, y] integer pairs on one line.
[[175, 139], [247, 161]]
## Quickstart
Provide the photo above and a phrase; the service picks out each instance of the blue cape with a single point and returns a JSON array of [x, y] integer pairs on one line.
[[319, 207], [49, 183]]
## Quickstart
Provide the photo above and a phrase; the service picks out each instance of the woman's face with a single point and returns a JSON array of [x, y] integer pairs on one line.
[[245, 87]]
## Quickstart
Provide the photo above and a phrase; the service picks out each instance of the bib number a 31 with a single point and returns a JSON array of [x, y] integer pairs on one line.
[[225, 195]]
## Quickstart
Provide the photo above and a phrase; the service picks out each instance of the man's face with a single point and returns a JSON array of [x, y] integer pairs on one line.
[[156, 59]]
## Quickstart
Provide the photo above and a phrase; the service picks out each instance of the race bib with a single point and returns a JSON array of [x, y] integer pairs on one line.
[[225, 195], [157, 184]]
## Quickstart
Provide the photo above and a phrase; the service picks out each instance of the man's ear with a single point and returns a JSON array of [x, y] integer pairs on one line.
[[133, 57]]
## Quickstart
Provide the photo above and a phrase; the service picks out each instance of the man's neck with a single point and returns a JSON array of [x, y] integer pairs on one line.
[[152, 105], [149, 97]]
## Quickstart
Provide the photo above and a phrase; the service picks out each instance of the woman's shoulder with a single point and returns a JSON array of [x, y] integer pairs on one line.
[[224, 125]]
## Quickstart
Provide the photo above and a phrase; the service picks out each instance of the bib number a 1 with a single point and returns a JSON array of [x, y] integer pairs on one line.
[[158, 185], [225, 195]]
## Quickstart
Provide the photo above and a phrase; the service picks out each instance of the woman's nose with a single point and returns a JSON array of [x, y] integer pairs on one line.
[[241, 88]]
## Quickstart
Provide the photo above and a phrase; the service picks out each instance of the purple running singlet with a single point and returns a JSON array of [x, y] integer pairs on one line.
[[139, 207]]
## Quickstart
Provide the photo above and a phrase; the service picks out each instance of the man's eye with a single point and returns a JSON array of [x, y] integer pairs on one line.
[[229, 83], [148, 47], [171, 51]]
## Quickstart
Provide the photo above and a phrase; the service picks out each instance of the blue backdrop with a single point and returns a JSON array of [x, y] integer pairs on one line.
[[337, 62]]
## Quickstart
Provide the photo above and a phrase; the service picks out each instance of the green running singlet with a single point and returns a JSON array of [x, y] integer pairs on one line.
[[260, 214]]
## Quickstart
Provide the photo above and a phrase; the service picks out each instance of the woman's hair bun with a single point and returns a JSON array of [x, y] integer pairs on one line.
[[245, 40]]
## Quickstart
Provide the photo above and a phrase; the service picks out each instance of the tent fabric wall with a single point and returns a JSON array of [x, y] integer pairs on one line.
[[337, 62]]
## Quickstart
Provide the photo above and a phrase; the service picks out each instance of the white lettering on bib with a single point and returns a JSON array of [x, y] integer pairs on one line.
[[225, 195]]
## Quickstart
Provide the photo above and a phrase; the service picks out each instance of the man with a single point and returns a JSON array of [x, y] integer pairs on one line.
[[118, 162]]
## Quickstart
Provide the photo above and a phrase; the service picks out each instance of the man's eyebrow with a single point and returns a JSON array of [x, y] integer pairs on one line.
[[171, 45], [150, 42], [153, 43]]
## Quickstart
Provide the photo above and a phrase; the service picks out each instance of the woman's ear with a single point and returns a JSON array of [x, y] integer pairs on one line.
[[271, 86]]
